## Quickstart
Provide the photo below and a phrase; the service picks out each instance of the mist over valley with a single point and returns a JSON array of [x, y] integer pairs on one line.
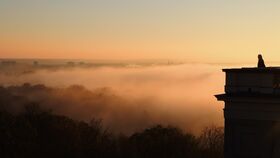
[[126, 96]]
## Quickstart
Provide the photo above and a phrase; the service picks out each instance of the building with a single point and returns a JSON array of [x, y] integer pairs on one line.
[[252, 112], [35, 63]]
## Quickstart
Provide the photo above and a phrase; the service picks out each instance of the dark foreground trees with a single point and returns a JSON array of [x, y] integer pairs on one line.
[[37, 133]]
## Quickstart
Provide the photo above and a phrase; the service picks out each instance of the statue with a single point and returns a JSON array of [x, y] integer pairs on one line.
[[260, 62]]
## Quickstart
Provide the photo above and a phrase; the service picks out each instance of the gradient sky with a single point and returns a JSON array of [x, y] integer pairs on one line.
[[194, 30]]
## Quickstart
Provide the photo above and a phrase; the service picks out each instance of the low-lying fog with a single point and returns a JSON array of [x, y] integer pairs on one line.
[[128, 99]]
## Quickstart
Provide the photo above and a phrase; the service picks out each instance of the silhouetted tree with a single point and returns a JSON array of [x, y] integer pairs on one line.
[[164, 142], [36, 132], [211, 141]]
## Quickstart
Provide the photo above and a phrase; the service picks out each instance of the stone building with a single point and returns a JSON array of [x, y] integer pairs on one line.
[[252, 112]]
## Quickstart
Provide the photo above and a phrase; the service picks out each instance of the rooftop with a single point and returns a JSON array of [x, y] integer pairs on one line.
[[254, 69]]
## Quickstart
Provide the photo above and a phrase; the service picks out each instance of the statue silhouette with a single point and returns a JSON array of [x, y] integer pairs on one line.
[[260, 62]]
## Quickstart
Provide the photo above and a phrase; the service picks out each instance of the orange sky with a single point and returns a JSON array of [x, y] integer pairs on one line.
[[203, 30]]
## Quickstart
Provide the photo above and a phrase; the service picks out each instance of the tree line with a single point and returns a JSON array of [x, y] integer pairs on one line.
[[39, 133]]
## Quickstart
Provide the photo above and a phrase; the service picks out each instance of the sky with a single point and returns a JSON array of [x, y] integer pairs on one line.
[[193, 30]]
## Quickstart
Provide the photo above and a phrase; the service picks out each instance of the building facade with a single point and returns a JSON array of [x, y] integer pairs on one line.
[[252, 112]]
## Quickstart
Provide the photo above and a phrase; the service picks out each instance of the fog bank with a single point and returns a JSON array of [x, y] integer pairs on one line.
[[128, 99]]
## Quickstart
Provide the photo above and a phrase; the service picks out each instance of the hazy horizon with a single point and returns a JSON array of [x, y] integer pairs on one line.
[[252, 63]]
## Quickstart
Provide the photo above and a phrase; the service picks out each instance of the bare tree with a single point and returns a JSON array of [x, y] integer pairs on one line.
[[212, 141]]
